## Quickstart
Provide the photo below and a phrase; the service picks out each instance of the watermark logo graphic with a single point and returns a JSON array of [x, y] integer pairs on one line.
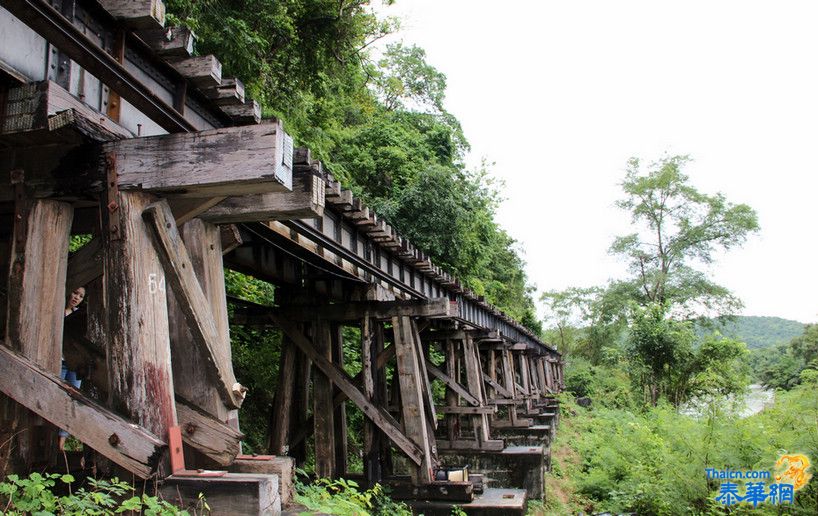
[[794, 470], [790, 476]]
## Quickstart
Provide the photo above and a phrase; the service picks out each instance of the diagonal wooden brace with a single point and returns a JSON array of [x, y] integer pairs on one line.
[[192, 301], [376, 414], [45, 394]]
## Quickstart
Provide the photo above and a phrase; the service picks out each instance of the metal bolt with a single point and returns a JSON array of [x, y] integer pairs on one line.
[[113, 440], [190, 428]]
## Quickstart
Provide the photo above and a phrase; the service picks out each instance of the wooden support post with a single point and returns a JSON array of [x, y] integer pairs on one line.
[[283, 402], [138, 341], [378, 415], [301, 401], [208, 337], [322, 404], [36, 290], [369, 371], [381, 444], [508, 382], [549, 376], [526, 384], [474, 380], [452, 419], [412, 398], [340, 412], [203, 244]]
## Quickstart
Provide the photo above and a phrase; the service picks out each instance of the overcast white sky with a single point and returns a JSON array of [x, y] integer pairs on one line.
[[560, 94]]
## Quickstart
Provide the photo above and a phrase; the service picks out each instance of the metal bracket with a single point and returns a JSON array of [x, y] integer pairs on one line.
[[112, 197], [21, 208]]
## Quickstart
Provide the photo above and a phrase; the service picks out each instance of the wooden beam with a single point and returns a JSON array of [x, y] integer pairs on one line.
[[497, 387], [137, 340], [322, 404], [380, 310], [231, 237], [229, 92], [305, 201], [31, 108], [169, 41], [452, 384], [186, 209], [219, 162], [203, 71], [247, 113], [45, 394], [466, 410], [36, 306], [206, 434], [192, 302], [84, 266], [411, 397], [376, 414], [137, 14], [203, 243]]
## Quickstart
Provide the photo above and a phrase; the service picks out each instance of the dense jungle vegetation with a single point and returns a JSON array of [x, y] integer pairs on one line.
[[661, 371], [635, 346]]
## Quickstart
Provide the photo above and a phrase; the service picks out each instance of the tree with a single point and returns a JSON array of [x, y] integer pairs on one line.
[[680, 228]]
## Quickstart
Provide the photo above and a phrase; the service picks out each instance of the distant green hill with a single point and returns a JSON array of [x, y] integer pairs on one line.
[[760, 332]]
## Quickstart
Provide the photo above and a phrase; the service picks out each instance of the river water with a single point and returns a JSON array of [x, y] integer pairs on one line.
[[758, 397]]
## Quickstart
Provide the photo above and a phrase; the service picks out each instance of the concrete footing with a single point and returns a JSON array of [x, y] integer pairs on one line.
[[226, 494], [514, 467]]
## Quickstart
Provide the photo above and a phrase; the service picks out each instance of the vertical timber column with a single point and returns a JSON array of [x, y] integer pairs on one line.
[[322, 409], [538, 362], [523, 362], [508, 382], [36, 291], [283, 402], [411, 396], [452, 398], [139, 365], [474, 380], [549, 375], [340, 416], [372, 468], [204, 246]]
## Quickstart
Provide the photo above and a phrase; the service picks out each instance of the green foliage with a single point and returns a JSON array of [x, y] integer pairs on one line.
[[680, 228], [344, 497], [782, 366], [36, 495], [756, 332], [653, 461]]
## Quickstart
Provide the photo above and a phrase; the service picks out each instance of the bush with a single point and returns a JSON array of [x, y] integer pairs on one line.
[[35, 495]]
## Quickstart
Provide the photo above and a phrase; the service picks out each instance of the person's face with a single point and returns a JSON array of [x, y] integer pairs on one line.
[[76, 297]]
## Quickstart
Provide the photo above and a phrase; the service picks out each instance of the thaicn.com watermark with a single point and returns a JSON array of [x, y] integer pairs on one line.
[[761, 486]]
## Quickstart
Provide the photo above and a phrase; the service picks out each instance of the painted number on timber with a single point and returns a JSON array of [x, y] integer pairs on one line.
[[155, 286]]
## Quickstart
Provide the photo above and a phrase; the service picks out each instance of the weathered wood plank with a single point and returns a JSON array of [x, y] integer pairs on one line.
[[280, 422], [206, 434], [137, 339], [229, 92], [411, 396], [231, 237], [84, 266], [497, 387], [44, 393], [203, 71], [219, 162], [35, 311], [247, 113], [474, 383], [305, 201], [30, 108], [376, 414], [340, 413], [186, 209], [466, 410], [137, 14], [169, 41], [380, 310], [179, 272], [464, 393], [322, 404]]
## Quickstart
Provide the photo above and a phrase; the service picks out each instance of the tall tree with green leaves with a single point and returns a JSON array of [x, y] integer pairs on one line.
[[678, 230]]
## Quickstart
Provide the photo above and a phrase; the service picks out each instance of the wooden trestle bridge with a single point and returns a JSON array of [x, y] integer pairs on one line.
[[110, 126]]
